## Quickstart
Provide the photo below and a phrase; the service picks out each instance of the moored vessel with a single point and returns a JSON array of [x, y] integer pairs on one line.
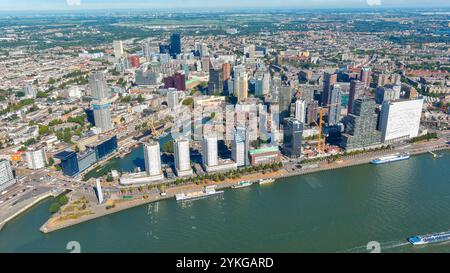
[[266, 181], [206, 192], [390, 158], [242, 184]]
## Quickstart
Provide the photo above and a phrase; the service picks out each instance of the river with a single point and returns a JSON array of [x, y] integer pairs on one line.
[[334, 211]]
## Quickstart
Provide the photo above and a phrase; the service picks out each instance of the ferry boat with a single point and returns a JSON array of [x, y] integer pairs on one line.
[[208, 191], [390, 158], [242, 184], [430, 238], [266, 181]]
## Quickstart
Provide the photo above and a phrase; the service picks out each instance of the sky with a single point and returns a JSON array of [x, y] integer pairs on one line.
[[30, 5]]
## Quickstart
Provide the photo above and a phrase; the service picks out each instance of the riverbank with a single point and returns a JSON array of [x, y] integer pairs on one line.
[[21, 207], [120, 205]]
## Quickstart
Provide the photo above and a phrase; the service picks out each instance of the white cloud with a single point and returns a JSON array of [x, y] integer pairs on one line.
[[374, 2], [73, 2]]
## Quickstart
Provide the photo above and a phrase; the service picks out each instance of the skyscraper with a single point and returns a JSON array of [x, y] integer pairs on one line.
[[242, 82], [387, 93], [262, 85], [177, 81], [152, 157], [226, 71], [118, 49], [334, 110], [328, 81], [240, 147], [175, 45], [313, 111], [98, 86], [361, 126], [365, 76], [172, 99], [182, 157], [400, 120], [284, 100], [356, 91], [215, 84], [300, 110], [292, 137], [210, 155], [102, 116], [6, 174]]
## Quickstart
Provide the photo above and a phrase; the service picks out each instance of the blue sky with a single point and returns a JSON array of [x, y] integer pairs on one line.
[[180, 4]]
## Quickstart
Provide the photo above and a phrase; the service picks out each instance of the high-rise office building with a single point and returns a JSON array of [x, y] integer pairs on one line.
[[400, 120], [210, 154], [329, 79], [102, 116], [118, 49], [147, 50], [300, 110], [292, 137], [69, 162], [215, 84], [226, 71], [262, 85], [205, 61], [242, 83], [175, 45], [36, 158], [366, 76], [284, 101], [361, 126], [312, 112], [334, 109], [356, 91], [182, 157], [387, 93], [99, 88], [6, 174], [172, 99], [240, 147], [177, 81], [152, 157]]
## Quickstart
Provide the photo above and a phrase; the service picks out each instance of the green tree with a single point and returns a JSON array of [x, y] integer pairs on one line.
[[54, 208], [168, 147]]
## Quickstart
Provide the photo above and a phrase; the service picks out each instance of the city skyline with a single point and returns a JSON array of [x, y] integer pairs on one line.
[[71, 5]]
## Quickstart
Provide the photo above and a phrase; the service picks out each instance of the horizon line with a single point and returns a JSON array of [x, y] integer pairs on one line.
[[183, 10]]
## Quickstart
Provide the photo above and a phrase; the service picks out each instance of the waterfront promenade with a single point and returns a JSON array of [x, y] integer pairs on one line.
[[345, 161]]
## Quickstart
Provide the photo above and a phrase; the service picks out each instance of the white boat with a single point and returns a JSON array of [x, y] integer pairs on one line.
[[266, 181], [242, 184], [390, 158], [206, 192]]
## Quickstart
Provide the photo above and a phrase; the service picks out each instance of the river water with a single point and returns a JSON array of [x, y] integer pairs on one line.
[[333, 211]]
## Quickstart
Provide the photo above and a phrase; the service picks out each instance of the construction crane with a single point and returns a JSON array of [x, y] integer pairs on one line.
[[156, 133], [321, 144]]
